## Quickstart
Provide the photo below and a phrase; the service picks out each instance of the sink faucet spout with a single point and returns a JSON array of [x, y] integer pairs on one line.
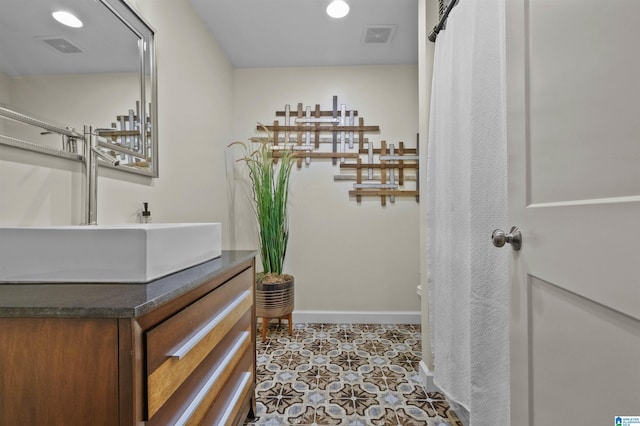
[[92, 153]]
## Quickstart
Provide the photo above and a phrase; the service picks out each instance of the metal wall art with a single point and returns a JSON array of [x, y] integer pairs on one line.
[[382, 171]]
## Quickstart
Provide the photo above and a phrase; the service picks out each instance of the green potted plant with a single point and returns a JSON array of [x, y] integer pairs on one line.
[[269, 176]]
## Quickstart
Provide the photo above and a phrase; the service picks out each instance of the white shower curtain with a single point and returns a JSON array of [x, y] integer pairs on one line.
[[466, 196]]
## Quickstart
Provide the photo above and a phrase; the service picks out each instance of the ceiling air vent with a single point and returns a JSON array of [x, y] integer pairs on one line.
[[378, 34], [61, 45]]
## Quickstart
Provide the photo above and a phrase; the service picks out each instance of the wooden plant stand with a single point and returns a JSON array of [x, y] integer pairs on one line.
[[265, 325]]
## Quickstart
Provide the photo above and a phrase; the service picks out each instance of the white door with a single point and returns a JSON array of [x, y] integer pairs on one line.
[[573, 74]]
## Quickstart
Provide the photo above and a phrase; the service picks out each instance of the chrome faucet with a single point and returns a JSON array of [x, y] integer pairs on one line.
[[91, 154], [96, 147]]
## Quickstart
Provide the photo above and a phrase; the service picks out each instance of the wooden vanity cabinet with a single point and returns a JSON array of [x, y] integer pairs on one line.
[[58, 371], [190, 360]]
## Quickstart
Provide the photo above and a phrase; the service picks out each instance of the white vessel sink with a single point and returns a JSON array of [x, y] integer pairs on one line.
[[105, 253]]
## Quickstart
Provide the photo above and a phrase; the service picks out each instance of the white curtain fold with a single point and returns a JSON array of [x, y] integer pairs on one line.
[[466, 196]]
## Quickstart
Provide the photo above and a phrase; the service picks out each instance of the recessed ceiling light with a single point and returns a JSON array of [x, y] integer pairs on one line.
[[67, 18], [338, 9]]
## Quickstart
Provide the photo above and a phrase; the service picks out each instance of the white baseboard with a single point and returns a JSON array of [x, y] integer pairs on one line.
[[427, 378], [357, 317]]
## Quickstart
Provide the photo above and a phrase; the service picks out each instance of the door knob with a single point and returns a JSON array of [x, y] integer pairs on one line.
[[514, 238]]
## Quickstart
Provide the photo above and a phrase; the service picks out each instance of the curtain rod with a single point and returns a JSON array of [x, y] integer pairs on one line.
[[443, 20]]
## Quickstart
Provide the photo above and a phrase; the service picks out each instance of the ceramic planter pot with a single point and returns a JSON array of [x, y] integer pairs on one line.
[[274, 300]]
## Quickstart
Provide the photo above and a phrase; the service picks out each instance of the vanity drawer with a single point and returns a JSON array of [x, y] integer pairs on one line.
[[179, 348], [227, 408], [213, 381]]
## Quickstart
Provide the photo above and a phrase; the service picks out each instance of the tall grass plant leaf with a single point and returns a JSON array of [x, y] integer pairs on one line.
[[270, 186]]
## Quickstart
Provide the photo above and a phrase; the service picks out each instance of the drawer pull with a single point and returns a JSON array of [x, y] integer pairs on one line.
[[206, 387], [195, 339], [242, 387]]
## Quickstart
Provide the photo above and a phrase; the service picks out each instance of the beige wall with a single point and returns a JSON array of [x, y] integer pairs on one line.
[[4, 94], [76, 99], [35, 189], [4, 88], [195, 95], [195, 98], [73, 100], [345, 256]]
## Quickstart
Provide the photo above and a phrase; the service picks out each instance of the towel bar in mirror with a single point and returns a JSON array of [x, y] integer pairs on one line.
[[102, 74]]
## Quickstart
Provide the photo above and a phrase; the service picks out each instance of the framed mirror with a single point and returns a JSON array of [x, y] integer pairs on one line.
[[101, 74]]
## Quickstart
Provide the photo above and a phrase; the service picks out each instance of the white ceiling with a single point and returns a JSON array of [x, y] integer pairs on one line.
[[105, 43], [253, 33], [288, 33]]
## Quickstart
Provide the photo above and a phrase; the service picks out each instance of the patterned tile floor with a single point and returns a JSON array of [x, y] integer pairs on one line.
[[348, 374]]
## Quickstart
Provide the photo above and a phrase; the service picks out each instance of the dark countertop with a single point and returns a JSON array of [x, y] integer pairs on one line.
[[118, 300]]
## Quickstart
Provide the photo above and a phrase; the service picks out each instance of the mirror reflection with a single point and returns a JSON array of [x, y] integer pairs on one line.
[[101, 74]]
